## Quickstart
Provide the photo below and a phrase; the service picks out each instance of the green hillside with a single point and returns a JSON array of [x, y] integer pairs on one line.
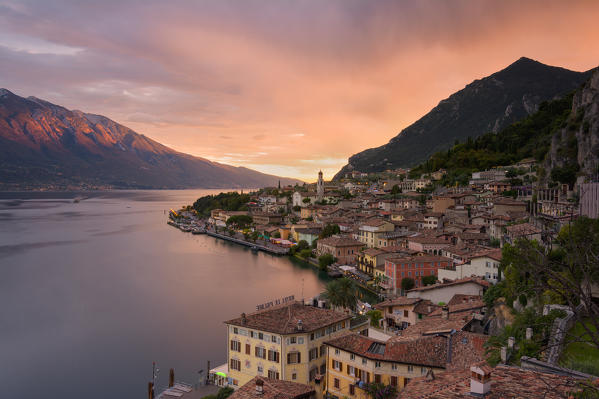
[[528, 138]]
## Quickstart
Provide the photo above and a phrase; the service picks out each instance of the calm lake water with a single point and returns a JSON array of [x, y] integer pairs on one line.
[[92, 292]]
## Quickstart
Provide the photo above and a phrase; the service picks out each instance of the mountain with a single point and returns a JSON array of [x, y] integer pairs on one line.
[[574, 153], [43, 145], [485, 105]]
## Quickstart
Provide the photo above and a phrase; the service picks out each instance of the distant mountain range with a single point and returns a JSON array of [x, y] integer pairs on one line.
[[485, 105], [43, 145]]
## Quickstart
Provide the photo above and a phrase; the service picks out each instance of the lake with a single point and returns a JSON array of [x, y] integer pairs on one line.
[[91, 293]]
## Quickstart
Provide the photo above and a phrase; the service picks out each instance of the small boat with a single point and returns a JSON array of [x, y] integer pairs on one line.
[[254, 249]]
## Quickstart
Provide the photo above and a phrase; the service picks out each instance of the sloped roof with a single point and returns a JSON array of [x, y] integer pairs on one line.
[[284, 319]]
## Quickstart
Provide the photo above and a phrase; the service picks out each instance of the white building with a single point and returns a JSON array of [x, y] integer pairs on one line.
[[485, 266]]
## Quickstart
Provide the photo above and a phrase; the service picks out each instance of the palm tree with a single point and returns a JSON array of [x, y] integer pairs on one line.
[[342, 293]]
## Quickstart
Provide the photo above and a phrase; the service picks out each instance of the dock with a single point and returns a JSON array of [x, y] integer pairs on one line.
[[263, 248]]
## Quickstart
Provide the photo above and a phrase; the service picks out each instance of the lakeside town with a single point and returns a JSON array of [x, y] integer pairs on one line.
[[452, 317]]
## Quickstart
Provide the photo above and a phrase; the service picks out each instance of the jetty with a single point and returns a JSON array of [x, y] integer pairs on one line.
[[252, 245]]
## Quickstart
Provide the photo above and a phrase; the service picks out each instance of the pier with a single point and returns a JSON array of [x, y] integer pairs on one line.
[[264, 248]]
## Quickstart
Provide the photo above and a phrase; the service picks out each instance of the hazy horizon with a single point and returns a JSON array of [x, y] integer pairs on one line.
[[286, 88]]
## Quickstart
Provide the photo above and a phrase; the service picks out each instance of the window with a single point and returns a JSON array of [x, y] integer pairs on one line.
[[393, 381], [251, 334], [323, 369], [260, 352], [323, 350], [300, 340], [352, 389], [235, 330], [336, 351], [337, 365], [313, 354], [273, 374], [377, 378], [394, 367], [243, 332], [294, 376], [273, 338], [235, 364], [410, 368], [405, 313], [248, 349], [377, 364], [293, 340], [364, 361], [235, 346], [260, 369], [294, 358], [273, 356], [352, 356], [336, 383], [351, 370]]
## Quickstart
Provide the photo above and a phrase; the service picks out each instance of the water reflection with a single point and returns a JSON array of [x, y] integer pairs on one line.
[[92, 292]]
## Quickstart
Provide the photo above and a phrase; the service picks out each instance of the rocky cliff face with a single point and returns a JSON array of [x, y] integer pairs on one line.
[[46, 145], [574, 154], [486, 105]]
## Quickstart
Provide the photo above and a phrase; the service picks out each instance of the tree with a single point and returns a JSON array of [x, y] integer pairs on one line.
[[407, 284], [329, 230], [342, 293], [303, 244], [375, 317], [395, 190], [305, 253], [429, 280], [325, 260], [565, 275], [240, 221], [276, 234], [306, 200], [254, 235]]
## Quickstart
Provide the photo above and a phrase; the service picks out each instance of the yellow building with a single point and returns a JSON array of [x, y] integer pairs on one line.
[[283, 342], [354, 360], [372, 230]]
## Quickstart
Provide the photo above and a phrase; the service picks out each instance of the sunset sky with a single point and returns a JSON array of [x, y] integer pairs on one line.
[[284, 87]]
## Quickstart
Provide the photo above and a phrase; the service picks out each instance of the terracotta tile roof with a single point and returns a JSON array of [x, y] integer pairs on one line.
[[460, 308], [452, 351], [463, 298], [506, 382], [375, 222], [432, 325], [429, 240], [523, 229], [272, 389], [339, 242], [373, 252], [284, 319], [423, 258], [399, 301], [427, 351], [425, 307], [455, 282]]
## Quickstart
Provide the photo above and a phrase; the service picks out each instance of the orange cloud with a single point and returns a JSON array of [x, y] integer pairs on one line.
[[282, 87]]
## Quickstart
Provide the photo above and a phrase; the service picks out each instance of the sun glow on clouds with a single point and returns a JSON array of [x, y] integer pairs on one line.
[[286, 88]]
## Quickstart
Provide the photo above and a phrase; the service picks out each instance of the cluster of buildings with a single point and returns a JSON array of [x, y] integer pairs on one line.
[[430, 340], [303, 350]]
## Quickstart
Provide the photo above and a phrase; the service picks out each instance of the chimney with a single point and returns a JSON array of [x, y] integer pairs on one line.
[[243, 319], [528, 333], [300, 326], [480, 380], [445, 312], [259, 386], [171, 378]]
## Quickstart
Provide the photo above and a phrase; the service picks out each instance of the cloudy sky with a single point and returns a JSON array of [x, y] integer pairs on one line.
[[285, 87]]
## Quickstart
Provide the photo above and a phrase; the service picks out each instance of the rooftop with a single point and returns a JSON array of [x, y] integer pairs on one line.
[[284, 319], [339, 242], [466, 280], [272, 389], [506, 382]]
